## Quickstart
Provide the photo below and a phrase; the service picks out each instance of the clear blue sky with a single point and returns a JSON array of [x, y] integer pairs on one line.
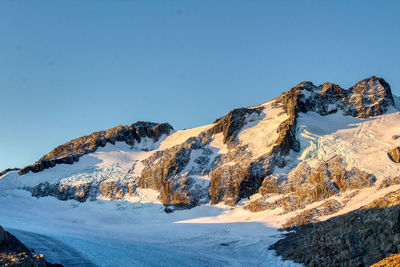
[[68, 68]]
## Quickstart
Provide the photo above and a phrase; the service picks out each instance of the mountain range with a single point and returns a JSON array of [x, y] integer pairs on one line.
[[319, 162]]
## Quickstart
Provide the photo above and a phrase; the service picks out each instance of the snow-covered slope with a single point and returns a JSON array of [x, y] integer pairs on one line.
[[364, 143], [319, 150]]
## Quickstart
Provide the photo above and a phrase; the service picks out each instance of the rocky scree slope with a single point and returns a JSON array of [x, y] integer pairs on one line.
[[359, 238]]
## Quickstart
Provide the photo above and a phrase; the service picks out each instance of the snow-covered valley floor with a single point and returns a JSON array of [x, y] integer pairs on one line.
[[120, 233]]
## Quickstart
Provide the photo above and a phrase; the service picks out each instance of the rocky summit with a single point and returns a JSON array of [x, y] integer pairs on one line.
[[320, 159]]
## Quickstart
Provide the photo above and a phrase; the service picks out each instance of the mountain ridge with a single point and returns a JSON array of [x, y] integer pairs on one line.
[[240, 172], [328, 92], [70, 152]]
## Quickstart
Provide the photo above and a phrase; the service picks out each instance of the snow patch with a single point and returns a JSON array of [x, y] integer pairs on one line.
[[261, 134]]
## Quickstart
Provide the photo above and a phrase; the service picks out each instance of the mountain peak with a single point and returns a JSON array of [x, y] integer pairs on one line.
[[370, 97], [373, 88], [367, 98]]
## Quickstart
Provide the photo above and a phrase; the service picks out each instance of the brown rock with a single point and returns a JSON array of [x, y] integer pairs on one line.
[[390, 181], [392, 261], [309, 216], [304, 186], [394, 154]]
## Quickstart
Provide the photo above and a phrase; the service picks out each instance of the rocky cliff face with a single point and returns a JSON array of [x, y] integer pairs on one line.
[[166, 171], [14, 253], [70, 152], [80, 192], [367, 98], [305, 185], [359, 238], [178, 183]]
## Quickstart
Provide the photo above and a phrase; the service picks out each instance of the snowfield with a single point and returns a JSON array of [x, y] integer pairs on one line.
[[120, 233], [364, 143], [260, 133]]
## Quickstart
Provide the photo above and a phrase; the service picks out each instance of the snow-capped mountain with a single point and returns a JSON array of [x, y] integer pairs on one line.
[[310, 154]]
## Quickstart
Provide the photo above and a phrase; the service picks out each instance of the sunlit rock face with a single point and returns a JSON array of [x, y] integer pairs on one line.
[[391, 261], [367, 98], [303, 186], [177, 171]]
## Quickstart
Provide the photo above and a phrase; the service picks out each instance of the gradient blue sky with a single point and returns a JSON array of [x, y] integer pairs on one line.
[[68, 68]]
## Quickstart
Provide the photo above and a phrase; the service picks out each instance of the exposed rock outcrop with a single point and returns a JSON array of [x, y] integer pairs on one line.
[[14, 253], [166, 172], [359, 238], [229, 183], [310, 216], [394, 154], [116, 190], [230, 125], [8, 170], [389, 181], [392, 261], [304, 185], [82, 192], [367, 98], [70, 152]]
